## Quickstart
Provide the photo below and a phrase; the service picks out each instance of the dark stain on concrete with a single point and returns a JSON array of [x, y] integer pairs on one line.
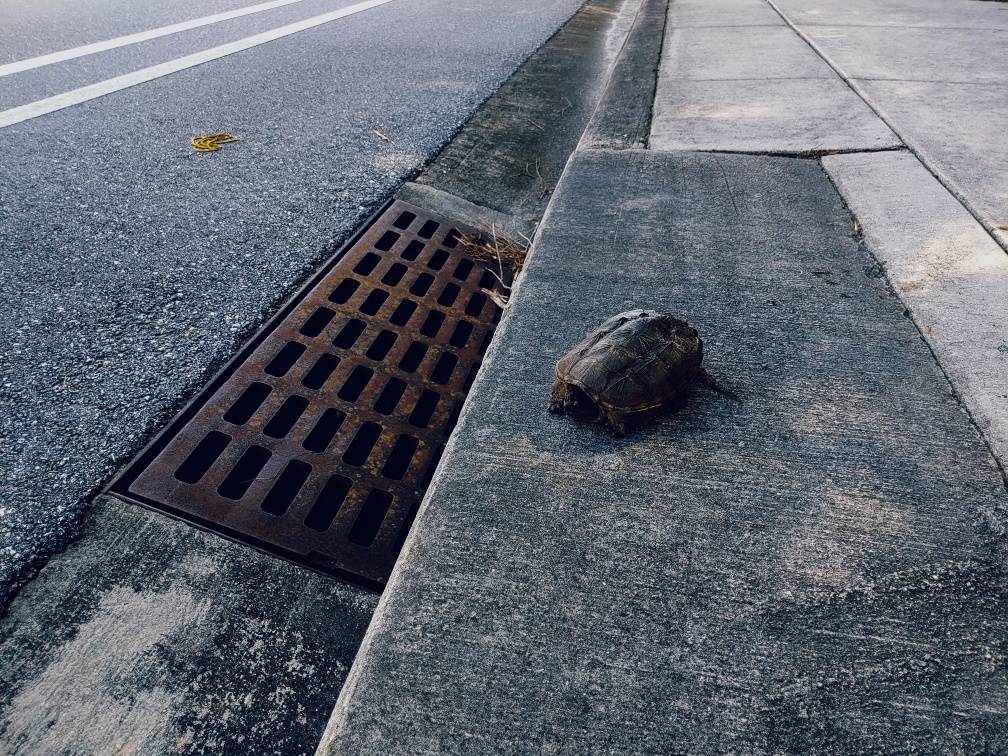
[[149, 635]]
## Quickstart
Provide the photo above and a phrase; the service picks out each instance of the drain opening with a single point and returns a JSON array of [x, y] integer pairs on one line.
[[328, 503], [387, 240], [390, 396], [360, 448], [199, 462], [403, 313], [394, 274], [325, 431], [404, 220], [422, 284], [281, 496], [412, 250], [319, 373], [342, 293], [413, 357], [371, 517], [285, 359], [438, 259], [431, 326], [243, 409], [349, 334], [381, 345], [319, 441], [355, 384], [244, 473], [424, 409], [283, 421], [427, 230], [317, 322]]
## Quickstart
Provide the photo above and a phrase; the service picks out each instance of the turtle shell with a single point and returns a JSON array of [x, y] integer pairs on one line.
[[635, 361]]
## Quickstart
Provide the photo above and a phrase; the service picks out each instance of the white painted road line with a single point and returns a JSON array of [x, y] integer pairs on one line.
[[92, 91], [132, 39]]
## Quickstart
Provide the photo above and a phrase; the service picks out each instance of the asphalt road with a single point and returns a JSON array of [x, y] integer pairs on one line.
[[132, 267]]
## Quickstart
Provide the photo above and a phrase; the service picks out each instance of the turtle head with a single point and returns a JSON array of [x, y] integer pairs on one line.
[[568, 399]]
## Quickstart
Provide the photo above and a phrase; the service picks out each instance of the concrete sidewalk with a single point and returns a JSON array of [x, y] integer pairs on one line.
[[825, 77], [818, 569], [734, 77], [810, 570], [937, 72]]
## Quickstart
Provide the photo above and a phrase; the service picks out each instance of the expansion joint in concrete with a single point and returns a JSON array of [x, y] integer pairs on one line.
[[858, 234], [852, 85], [804, 154]]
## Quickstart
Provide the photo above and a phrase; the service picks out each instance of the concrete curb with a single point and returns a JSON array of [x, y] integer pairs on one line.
[[622, 119], [605, 129], [466, 212]]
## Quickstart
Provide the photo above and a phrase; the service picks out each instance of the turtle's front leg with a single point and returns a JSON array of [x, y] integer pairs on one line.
[[617, 423], [558, 398]]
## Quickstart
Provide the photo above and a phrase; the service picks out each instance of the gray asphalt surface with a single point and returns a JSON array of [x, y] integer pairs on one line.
[[60, 77], [33, 28], [133, 268]]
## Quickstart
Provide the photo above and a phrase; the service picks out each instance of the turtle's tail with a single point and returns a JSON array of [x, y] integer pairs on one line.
[[714, 384]]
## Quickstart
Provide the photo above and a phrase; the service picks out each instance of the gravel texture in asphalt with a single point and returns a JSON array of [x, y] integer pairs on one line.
[[56, 78], [32, 28], [134, 267]]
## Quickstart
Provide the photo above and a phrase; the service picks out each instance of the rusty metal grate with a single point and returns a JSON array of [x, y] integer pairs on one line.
[[319, 442]]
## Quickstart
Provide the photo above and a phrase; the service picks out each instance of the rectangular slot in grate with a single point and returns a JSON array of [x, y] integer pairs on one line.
[[319, 441]]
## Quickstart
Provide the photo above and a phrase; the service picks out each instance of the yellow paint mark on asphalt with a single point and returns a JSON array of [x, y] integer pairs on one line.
[[212, 142]]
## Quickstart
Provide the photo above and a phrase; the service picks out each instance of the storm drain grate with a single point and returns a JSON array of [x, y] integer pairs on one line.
[[320, 443]]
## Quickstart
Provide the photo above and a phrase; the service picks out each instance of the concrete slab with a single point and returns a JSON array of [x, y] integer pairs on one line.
[[740, 52], [959, 132], [946, 269], [809, 571], [948, 14], [773, 116], [464, 211], [941, 89], [721, 13], [149, 636], [915, 54], [755, 89]]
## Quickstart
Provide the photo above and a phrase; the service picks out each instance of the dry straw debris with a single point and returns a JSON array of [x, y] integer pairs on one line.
[[490, 246]]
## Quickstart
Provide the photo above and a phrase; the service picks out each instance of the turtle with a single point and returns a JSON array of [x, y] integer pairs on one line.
[[633, 364]]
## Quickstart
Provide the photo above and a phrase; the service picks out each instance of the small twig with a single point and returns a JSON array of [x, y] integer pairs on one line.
[[490, 247], [497, 299], [524, 238], [500, 265]]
